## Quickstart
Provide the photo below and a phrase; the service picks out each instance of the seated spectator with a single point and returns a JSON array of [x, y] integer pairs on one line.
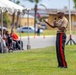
[[5, 36], [2, 44], [19, 43], [9, 40]]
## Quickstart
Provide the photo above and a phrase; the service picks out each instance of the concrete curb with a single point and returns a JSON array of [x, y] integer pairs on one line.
[[37, 36]]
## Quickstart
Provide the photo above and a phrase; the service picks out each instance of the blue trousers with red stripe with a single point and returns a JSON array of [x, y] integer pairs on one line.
[[60, 46]]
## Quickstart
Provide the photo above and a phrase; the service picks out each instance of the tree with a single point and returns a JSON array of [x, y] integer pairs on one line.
[[35, 10], [18, 13], [6, 19], [13, 16], [74, 3]]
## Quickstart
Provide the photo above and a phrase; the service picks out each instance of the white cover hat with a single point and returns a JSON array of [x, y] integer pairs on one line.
[[60, 11]]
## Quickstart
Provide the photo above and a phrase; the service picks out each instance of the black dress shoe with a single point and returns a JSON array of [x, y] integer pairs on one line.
[[22, 49], [62, 66]]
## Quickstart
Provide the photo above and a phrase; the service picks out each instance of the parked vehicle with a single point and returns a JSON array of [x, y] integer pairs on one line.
[[25, 29], [43, 26]]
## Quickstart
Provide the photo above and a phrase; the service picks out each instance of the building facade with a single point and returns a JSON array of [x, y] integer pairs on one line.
[[50, 14], [53, 12]]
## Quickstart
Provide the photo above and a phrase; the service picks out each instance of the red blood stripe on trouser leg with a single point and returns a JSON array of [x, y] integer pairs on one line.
[[61, 50]]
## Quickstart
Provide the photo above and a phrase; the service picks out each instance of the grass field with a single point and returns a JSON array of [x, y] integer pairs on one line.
[[47, 32], [37, 62]]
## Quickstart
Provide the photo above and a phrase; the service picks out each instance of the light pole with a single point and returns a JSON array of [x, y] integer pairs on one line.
[[20, 30], [70, 38], [21, 13], [28, 45], [70, 18]]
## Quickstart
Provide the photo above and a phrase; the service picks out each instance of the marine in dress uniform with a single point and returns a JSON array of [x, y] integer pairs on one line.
[[62, 25]]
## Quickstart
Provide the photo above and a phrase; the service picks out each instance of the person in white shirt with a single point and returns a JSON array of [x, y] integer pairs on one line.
[[2, 43]]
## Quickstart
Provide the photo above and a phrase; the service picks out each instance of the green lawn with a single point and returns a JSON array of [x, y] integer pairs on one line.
[[46, 32], [37, 62]]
